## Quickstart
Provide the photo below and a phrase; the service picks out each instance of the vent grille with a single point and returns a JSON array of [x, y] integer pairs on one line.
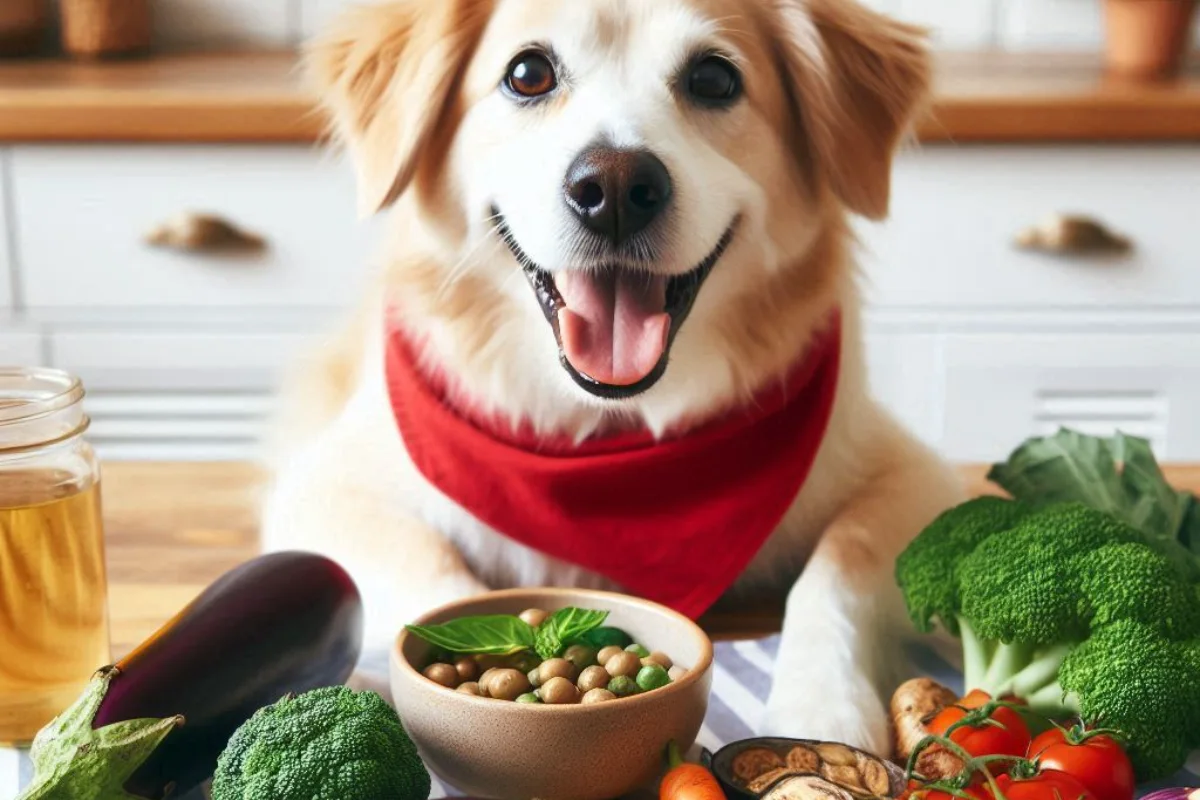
[[1103, 413], [177, 426]]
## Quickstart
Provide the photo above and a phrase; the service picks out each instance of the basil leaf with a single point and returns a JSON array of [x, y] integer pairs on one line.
[[499, 635], [1119, 476], [564, 625]]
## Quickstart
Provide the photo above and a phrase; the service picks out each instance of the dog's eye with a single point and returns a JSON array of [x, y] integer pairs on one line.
[[531, 75], [713, 81]]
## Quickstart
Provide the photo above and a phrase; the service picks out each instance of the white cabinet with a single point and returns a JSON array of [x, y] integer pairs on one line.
[[956, 210], [1001, 388], [82, 214], [906, 374], [160, 395], [7, 246]]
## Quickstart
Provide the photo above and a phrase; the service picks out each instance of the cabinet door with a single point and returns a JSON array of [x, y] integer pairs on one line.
[[1004, 388], [18, 349], [177, 396], [905, 371], [6, 244]]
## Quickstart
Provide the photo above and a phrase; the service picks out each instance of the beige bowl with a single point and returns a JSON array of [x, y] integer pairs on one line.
[[497, 749]]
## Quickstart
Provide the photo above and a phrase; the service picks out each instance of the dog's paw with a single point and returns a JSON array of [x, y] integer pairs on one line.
[[851, 714]]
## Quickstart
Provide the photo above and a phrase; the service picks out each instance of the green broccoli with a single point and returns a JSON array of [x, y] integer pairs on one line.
[[328, 744], [1070, 609]]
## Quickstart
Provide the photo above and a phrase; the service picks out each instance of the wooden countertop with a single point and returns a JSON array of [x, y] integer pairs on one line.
[[174, 528], [261, 97]]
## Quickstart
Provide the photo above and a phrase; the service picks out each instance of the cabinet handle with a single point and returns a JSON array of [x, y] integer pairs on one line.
[[204, 233], [1073, 235]]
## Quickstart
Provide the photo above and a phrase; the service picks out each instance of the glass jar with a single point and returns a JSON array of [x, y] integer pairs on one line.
[[53, 590]]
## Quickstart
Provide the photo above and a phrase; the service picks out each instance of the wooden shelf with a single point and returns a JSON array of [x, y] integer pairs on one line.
[[262, 97]]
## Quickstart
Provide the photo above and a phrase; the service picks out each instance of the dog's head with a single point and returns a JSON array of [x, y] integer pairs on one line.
[[630, 204]]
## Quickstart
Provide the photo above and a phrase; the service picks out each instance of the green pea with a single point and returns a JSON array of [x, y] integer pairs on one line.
[[637, 650], [530, 698], [652, 677], [600, 638], [623, 686]]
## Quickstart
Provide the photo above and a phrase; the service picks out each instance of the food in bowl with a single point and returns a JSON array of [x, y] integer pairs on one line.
[[538, 658], [795, 769]]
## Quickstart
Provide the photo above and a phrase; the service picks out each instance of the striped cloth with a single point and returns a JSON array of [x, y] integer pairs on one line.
[[741, 681]]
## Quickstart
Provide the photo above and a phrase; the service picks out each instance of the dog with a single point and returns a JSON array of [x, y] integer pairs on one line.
[[620, 220]]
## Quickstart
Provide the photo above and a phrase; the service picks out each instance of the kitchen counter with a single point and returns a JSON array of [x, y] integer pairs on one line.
[[174, 528], [262, 97]]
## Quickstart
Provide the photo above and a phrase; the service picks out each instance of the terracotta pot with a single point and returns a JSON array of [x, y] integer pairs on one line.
[[1148, 38], [22, 26], [99, 28]]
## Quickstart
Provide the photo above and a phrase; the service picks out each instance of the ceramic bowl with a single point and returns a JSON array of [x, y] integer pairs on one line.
[[496, 749]]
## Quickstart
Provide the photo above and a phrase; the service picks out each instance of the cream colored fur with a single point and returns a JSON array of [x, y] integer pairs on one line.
[[412, 90]]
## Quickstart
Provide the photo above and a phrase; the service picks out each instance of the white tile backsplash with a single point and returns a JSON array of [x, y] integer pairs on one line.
[[955, 24], [225, 23]]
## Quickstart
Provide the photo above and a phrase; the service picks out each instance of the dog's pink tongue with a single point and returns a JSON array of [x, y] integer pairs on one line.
[[613, 328]]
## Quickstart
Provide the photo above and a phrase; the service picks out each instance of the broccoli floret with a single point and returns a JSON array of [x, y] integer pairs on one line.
[[928, 569], [1129, 676], [328, 744], [1044, 605]]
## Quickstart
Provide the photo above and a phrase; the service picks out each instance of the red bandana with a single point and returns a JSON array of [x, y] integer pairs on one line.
[[675, 521]]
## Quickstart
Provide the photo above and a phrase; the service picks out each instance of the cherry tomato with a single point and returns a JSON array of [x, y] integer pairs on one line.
[[1048, 784], [1097, 761], [1009, 738]]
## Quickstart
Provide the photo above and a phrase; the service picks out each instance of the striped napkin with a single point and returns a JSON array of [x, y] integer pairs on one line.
[[741, 681]]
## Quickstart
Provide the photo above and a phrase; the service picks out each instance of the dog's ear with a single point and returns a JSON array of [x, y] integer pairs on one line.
[[856, 78], [388, 75]]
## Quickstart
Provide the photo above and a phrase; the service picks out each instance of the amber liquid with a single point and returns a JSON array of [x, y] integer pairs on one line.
[[53, 597]]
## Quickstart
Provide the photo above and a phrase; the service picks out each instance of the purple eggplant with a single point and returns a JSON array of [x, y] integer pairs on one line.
[[283, 623]]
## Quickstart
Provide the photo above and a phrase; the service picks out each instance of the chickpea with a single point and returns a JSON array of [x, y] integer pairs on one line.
[[676, 673], [662, 659], [533, 616], [606, 653], [485, 681], [470, 687], [468, 669], [623, 664], [487, 662], [598, 696], [623, 686], [508, 684], [581, 656], [594, 678], [523, 661], [559, 691], [535, 677], [444, 674], [556, 668]]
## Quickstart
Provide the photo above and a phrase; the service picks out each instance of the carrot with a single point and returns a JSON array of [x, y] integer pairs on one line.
[[685, 781]]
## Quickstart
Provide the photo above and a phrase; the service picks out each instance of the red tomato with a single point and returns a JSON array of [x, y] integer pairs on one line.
[[1009, 738], [977, 791], [1048, 784], [1098, 762]]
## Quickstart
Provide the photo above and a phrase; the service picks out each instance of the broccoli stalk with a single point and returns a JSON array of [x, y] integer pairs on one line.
[[1070, 610]]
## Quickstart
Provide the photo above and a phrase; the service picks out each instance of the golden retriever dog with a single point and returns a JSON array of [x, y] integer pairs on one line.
[[621, 220]]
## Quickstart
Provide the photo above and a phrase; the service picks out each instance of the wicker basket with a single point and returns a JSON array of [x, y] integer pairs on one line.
[[23, 25], [99, 28]]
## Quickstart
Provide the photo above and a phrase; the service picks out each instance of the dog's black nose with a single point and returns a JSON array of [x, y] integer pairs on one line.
[[617, 193]]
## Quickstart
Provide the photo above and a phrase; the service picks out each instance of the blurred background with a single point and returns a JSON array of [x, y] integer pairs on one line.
[[172, 233]]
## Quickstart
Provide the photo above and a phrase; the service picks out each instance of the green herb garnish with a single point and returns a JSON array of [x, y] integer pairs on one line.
[[497, 635], [564, 626], [505, 634]]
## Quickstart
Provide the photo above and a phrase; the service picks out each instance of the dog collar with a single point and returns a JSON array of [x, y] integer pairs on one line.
[[675, 520]]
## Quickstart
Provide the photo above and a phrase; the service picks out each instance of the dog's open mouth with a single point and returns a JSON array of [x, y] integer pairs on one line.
[[615, 325]]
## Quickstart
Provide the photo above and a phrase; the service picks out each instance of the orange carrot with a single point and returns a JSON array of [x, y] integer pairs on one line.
[[685, 781]]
